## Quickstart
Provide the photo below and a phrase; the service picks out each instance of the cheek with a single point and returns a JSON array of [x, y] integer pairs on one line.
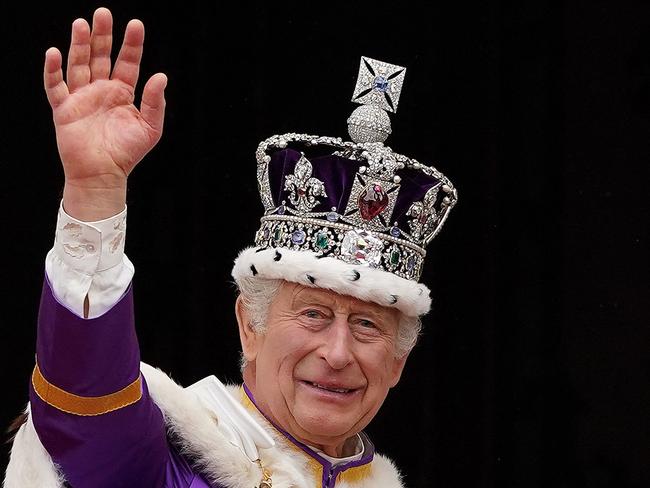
[[283, 350], [378, 367]]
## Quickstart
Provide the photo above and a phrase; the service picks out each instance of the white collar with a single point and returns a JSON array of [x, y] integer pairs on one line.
[[360, 448]]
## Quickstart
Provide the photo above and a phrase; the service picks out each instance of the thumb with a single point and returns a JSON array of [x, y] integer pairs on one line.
[[152, 107]]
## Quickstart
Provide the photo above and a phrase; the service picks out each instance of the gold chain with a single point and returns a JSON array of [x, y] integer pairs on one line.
[[266, 476]]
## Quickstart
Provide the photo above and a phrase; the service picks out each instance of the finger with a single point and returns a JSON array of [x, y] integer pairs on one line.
[[127, 65], [152, 107], [78, 73], [101, 41], [55, 88]]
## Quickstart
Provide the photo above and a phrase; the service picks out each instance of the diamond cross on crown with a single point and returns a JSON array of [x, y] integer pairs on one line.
[[379, 84], [378, 89]]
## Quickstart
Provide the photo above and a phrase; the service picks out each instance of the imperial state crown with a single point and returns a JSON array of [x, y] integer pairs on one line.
[[336, 212]]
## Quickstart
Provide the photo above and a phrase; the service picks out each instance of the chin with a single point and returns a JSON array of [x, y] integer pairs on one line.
[[320, 431], [324, 424]]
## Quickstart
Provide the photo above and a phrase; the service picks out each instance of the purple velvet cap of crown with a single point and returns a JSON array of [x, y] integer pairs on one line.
[[338, 173]]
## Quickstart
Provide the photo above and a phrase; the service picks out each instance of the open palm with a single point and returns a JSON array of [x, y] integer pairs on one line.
[[101, 134]]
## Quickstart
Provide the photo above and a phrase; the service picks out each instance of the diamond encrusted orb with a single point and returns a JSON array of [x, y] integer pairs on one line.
[[369, 124]]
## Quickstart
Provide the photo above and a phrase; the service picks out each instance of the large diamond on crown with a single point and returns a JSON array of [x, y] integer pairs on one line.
[[361, 247]]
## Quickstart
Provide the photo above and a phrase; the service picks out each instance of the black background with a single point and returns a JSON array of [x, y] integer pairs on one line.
[[534, 369]]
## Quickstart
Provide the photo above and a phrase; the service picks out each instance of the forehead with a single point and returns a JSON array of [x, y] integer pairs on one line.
[[294, 294]]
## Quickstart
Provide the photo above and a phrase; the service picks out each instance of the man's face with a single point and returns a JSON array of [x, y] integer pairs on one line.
[[324, 365]]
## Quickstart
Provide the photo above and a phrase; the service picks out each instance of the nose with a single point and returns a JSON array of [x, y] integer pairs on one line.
[[337, 350]]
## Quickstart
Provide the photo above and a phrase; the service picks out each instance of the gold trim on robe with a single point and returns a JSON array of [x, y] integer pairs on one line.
[[86, 406]]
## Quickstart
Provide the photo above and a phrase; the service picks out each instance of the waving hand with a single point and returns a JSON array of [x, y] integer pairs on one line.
[[101, 135]]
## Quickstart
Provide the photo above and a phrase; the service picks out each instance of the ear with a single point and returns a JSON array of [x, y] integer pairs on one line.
[[247, 336], [397, 368]]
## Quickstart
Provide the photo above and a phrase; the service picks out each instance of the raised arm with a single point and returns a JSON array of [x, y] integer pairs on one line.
[[101, 135], [89, 402]]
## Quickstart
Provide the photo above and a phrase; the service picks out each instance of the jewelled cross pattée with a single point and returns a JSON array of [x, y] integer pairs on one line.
[[379, 84], [378, 89]]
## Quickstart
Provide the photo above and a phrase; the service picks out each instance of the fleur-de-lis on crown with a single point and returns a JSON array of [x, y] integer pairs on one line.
[[424, 215], [303, 187]]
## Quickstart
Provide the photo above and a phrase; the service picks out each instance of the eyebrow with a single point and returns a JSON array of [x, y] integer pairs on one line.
[[306, 296]]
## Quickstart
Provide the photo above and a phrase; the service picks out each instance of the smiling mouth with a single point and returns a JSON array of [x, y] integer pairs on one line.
[[330, 388]]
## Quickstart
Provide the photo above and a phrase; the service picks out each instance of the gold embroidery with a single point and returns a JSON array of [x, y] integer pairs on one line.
[[86, 406], [356, 473]]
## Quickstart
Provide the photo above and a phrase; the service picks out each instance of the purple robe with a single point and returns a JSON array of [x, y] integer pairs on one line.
[[127, 447]]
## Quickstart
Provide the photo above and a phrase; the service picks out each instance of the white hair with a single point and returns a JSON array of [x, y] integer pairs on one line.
[[257, 294]]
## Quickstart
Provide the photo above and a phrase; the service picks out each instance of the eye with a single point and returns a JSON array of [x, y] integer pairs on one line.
[[313, 314], [313, 318], [369, 324]]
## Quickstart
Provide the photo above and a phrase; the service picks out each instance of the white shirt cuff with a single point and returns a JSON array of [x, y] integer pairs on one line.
[[88, 260]]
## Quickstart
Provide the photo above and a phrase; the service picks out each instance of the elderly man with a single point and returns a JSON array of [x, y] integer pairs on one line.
[[328, 309]]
